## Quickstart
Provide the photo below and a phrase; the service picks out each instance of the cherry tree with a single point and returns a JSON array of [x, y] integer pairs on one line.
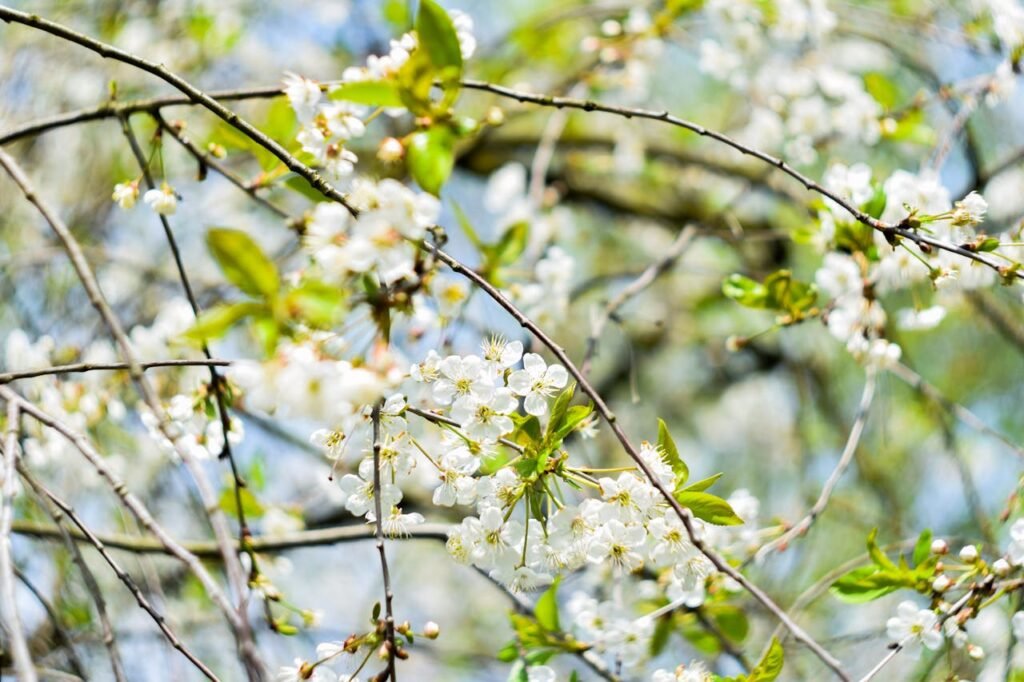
[[670, 341]]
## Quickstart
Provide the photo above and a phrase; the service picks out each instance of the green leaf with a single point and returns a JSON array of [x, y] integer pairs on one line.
[[300, 185], [876, 204], [314, 302], [710, 508], [868, 583], [882, 89], [431, 157], [770, 665], [662, 631], [215, 322], [923, 547], [788, 294], [467, 226], [671, 454], [876, 554], [702, 485], [250, 505], [512, 243], [988, 244], [508, 653], [438, 38], [372, 93], [731, 620], [560, 409], [573, 417], [546, 610], [243, 262], [745, 291]]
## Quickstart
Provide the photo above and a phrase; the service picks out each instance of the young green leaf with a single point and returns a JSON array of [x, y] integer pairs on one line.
[[371, 93], [710, 508], [923, 547], [438, 38], [243, 262], [431, 157], [770, 665], [215, 322], [702, 485], [671, 454], [546, 610]]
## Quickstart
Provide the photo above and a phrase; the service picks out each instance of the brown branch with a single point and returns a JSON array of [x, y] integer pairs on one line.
[[206, 159], [65, 534], [10, 620], [238, 619], [634, 288], [899, 229], [389, 616], [194, 94], [61, 632], [121, 574], [602, 408], [7, 377], [852, 442], [208, 550]]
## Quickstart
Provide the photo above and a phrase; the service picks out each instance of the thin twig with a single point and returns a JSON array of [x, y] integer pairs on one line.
[[121, 574], [448, 421], [216, 384], [10, 621], [602, 408], [634, 288], [62, 634], [917, 382], [389, 617], [92, 586], [7, 377], [852, 442], [316, 180], [208, 550], [206, 159], [899, 229], [129, 500], [238, 620], [193, 93]]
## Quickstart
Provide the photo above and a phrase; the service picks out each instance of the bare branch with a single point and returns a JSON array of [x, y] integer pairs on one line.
[[238, 619], [389, 617], [7, 377], [121, 574], [852, 442], [10, 621], [602, 408], [634, 288]]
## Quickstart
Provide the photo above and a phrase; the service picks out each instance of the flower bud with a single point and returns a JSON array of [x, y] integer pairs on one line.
[[384, 652], [969, 554], [1001, 567], [495, 116], [390, 150], [403, 628], [942, 583], [940, 547], [975, 652], [431, 630]]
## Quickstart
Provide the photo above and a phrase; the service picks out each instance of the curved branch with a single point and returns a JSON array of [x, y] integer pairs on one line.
[[606, 413], [856, 431]]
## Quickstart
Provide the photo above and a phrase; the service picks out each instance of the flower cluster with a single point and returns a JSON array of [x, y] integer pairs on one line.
[[800, 90], [391, 217], [855, 278]]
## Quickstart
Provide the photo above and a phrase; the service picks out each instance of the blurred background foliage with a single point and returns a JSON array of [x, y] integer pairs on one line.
[[773, 416]]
